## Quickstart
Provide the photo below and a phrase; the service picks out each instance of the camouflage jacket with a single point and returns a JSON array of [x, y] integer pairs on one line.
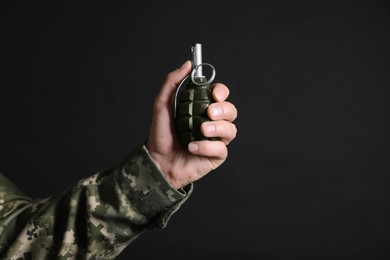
[[94, 219]]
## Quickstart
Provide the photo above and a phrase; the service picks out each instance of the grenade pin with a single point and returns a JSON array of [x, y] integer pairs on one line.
[[197, 72]]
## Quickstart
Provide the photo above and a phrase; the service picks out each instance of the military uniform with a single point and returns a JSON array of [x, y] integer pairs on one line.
[[94, 219]]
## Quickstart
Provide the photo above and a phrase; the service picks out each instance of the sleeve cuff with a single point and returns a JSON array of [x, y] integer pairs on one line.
[[148, 190]]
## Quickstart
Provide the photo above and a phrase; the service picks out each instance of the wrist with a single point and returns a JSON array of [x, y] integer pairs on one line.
[[161, 163]]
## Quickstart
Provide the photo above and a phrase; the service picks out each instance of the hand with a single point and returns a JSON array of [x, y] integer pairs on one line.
[[181, 166]]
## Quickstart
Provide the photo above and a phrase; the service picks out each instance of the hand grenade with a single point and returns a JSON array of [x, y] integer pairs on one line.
[[190, 105]]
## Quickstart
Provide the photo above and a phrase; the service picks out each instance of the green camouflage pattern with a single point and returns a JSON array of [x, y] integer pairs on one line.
[[94, 219]]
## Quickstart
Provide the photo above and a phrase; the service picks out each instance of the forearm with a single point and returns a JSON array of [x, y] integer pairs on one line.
[[100, 215]]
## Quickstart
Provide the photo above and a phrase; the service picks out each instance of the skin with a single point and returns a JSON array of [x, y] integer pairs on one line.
[[181, 166]]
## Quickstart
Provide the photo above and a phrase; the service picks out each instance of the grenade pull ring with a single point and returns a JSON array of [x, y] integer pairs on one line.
[[197, 68]]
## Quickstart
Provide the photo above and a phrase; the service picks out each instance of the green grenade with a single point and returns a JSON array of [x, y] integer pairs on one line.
[[190, 105]]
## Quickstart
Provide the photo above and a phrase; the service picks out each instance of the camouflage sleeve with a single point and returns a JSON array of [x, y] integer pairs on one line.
[[95, 219]]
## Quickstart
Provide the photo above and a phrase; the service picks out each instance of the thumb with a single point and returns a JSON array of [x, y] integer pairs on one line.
[[172, 81]]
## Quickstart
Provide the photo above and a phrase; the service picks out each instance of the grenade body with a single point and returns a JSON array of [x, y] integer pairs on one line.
[[191, 112]]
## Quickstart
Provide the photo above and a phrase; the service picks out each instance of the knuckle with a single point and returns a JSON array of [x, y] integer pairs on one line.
[[235, 131], [220, 128], [234, 110], [232, 132]]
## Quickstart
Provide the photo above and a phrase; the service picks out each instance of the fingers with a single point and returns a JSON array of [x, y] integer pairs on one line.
[[214, 149], [170, 84], [222, 111], [223, 129], [220, 92]]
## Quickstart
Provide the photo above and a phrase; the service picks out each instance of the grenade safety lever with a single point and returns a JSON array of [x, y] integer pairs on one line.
[[190, 105]]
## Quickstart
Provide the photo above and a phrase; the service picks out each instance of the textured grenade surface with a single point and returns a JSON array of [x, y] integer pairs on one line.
[[192, 112]]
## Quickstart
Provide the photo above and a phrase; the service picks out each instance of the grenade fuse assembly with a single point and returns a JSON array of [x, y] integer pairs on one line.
[[190, 105]]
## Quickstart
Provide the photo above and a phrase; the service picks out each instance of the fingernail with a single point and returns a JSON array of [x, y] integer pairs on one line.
[[192, 147], [216, 110]]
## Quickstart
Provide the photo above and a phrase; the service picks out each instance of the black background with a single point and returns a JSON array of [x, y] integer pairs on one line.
[[308, 174]]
